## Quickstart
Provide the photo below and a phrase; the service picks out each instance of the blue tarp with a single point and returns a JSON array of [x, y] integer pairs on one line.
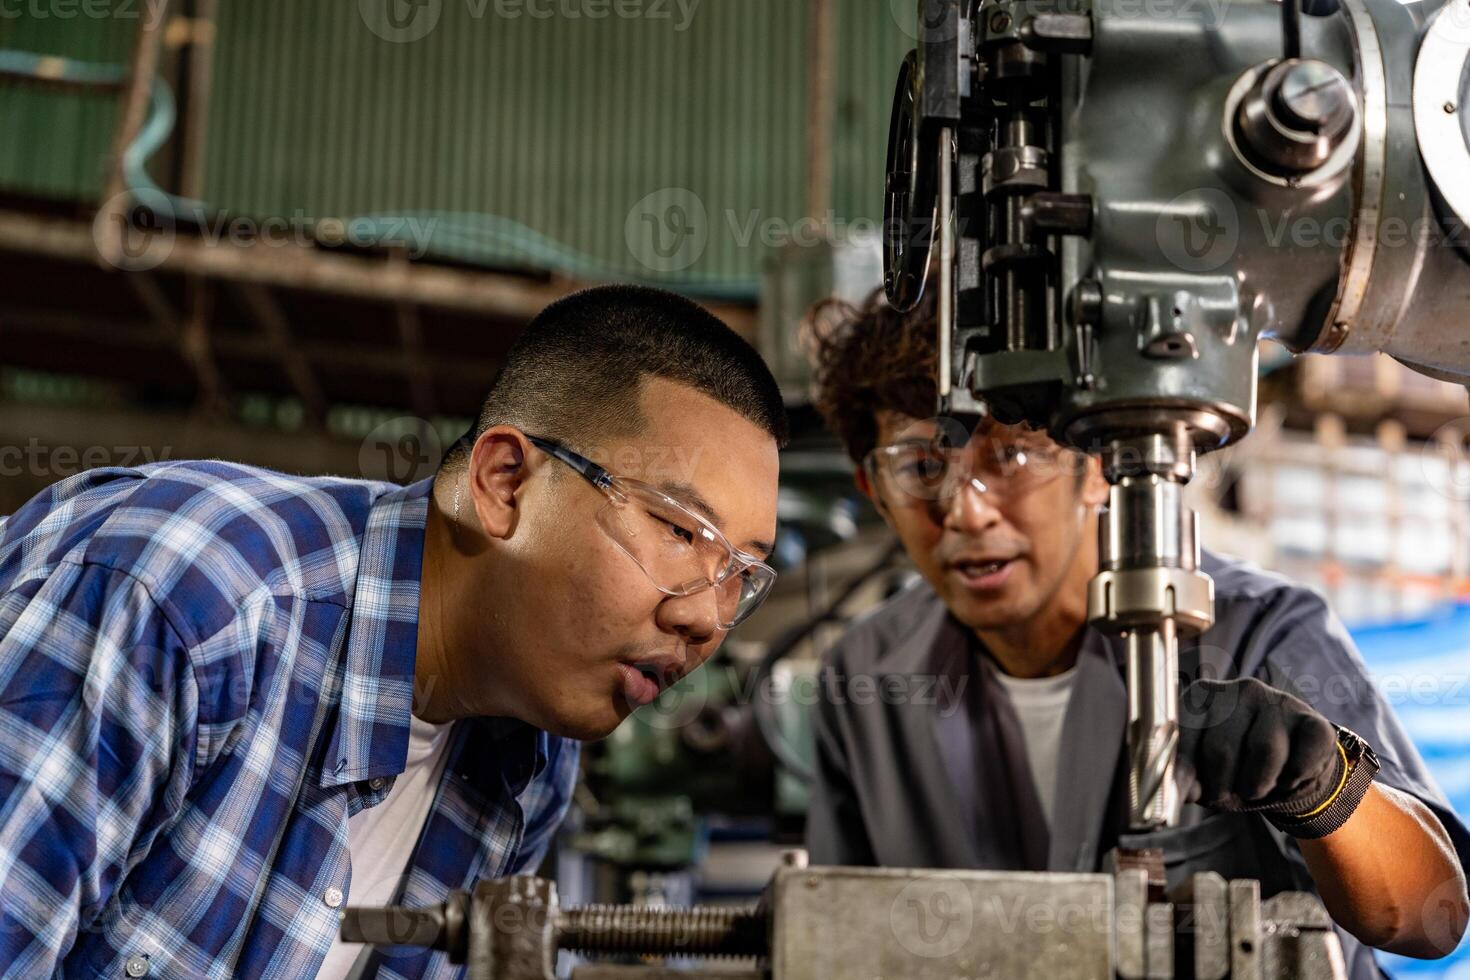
[[1423, 669]]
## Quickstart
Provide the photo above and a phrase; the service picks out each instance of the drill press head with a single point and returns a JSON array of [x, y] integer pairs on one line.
[[1116, 200]]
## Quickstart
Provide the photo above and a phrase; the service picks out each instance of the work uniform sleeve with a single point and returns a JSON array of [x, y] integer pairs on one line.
[[98, 711], [1302, 647], [835, 832]]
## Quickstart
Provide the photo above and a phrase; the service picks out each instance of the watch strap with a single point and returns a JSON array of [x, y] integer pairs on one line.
[[1357, 767]]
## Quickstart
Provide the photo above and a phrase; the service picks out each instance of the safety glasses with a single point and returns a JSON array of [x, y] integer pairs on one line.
[[1006, 462], [679, 551]]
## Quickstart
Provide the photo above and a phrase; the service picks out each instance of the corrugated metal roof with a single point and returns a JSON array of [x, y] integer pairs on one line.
[[664, 146]]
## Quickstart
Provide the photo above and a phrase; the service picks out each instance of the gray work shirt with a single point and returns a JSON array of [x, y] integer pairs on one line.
[[897, 755]]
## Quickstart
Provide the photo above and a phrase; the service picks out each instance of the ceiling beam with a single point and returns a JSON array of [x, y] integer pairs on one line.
[[291, 266]]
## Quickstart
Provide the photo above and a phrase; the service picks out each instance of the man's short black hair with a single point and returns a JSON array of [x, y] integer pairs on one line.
[[575, 373]]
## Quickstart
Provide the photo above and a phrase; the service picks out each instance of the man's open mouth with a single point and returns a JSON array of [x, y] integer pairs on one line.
[[642, 683], [983, 573]]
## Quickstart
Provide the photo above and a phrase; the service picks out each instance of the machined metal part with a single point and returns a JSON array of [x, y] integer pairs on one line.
[[946, 218], [613, 971], [1407, 262], [897, 923], [1150, 591], [1442, 104], [1368, 179], [821, 922], [1153, 725], [1326, 161], [1137, 598], [1295, 927], [1295, 116], [1206, 896], [909, 197]]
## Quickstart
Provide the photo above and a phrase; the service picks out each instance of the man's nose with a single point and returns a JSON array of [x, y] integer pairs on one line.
[[693, 617], [972, 508]]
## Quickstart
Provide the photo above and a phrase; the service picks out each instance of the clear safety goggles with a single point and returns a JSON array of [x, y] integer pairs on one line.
[[1007, 461], [680, 552]]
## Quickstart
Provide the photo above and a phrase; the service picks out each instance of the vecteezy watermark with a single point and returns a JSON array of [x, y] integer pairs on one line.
[[405, 21], [681, 703], [131, 231], [933, 917], [138, 230], [770, 231], [1392, 232], [1444, 461], [1445, 907], [400, 21], [679, 13], [671, 229], [931, 22], [668, 230], [55, 462], [724, 683], [1208, 11], [401, 450], [149, 11], [1198, 230]]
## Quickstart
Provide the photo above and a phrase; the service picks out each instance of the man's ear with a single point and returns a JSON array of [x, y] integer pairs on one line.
[[1095, 488], [866, 488], [497, 471]]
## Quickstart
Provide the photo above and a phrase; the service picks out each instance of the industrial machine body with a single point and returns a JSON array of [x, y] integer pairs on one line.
[[818, 923], [1117, 200]]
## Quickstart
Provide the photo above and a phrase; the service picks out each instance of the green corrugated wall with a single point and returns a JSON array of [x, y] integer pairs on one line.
[[562, 124], [55, 144]]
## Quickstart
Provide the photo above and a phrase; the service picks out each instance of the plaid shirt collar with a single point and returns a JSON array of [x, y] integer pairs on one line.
[[370, 737]]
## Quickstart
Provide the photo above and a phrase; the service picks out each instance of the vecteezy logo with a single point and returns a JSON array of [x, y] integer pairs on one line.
[[1444, 461], [134, 230], [400, 21], [402, 450], [1442, 909], [933, 22], [1198, 230], [933, 917], [678, 705], [1453, 21], [667, 231]]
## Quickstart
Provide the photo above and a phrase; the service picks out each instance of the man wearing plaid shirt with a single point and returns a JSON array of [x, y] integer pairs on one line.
[[232, 701]]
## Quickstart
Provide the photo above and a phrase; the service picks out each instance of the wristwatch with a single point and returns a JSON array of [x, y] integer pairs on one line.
[[1358, 764]]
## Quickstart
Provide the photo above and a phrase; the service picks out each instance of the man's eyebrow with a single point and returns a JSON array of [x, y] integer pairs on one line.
[[686, 494]]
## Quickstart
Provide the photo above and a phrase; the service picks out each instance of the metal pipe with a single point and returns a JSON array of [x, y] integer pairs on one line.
[[195, 122], [112, 218], [821, 85], [945, 219]]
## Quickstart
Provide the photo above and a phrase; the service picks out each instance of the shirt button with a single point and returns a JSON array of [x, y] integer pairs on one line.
[[377, 784], [136, 966], [333, 897]]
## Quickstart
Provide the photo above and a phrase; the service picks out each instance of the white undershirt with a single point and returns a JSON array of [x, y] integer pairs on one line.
[[380, 839], [1041, 704]]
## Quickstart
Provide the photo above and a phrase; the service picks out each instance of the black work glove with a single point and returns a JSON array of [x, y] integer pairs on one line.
[[1246, 746]]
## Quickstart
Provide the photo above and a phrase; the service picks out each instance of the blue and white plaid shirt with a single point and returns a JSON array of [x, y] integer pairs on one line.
[[204, 669]]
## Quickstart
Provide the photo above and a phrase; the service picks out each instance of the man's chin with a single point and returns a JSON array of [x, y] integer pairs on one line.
[[588, 725], [986, 612]]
